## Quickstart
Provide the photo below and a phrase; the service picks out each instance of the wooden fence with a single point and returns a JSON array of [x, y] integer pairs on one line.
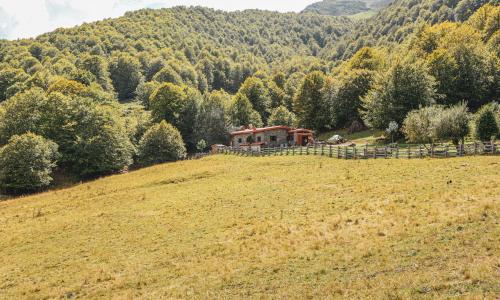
[[373, 151]]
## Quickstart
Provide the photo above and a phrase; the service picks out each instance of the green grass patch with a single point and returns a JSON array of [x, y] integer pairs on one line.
[[363, 15], [369, 136]]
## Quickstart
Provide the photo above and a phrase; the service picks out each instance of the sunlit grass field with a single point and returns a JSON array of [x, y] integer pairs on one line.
[[267, 227]]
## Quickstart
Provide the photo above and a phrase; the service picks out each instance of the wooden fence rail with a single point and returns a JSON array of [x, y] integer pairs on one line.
[[373, 151]]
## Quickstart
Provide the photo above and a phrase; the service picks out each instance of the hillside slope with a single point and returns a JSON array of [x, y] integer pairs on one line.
[[399, 20], [207, 48], [287, 227], [346, 7], [337, 8]]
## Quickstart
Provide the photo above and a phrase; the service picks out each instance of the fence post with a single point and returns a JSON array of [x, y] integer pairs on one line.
[[354, 151], [322, 149], [338, 151], [345, 152], [330, 146], [375, 152], [446, 150], [366, 151], [315, 149], [397, 151], [420, 151], [409, 151], [385, 151], [307, 150], [432, 150]]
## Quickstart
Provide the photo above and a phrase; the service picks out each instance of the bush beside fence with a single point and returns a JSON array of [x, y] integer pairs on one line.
[[373, 151]]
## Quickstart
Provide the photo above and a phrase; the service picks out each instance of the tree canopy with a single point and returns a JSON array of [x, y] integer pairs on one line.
[[97, 89]]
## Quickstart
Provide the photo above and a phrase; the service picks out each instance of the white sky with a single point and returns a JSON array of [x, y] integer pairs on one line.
[[29, 18]]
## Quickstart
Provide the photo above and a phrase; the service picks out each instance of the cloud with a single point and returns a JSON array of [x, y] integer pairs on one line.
[[29, 18], [62, 9], [7, 24]]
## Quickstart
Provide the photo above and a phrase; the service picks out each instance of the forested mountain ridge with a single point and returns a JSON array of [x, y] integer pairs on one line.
[[240, 41], [337, 7], [399, 20], [154, 84], [345, 7]]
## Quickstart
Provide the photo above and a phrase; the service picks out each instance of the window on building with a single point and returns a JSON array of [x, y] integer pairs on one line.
[[259, 139], [273, 138], [240, 140]]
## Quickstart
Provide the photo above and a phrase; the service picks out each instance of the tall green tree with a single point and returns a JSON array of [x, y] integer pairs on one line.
[[242, 112], [214, 122], [256, 92], [189, 116], [100, 144], [161, 143], [453, 124], [282, 116], [309, 103], [167, 103], [8, 77], [486, 124], [26, 163], [98, 66], [404, 87], [126, 75]]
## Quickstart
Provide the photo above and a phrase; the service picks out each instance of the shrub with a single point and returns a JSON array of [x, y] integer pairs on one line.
[[419, 125], [453, 123], [26, 163], [201, 145], [486, 124], [161, 143], [392, 130]]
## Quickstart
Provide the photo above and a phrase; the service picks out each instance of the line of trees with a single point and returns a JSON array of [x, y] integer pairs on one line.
[[105, 96]]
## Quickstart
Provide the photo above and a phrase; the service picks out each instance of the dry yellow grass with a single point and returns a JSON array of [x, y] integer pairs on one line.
[[272, 227]]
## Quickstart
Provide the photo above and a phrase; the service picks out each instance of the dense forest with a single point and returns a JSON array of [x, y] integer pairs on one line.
[[400, 19], [153, 85]]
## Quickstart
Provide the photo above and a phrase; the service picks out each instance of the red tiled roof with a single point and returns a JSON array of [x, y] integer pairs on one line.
[[257, 130], [303, 130], [253, 144]]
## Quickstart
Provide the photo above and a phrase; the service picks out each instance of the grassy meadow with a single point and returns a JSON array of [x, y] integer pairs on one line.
[[270, 227]]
